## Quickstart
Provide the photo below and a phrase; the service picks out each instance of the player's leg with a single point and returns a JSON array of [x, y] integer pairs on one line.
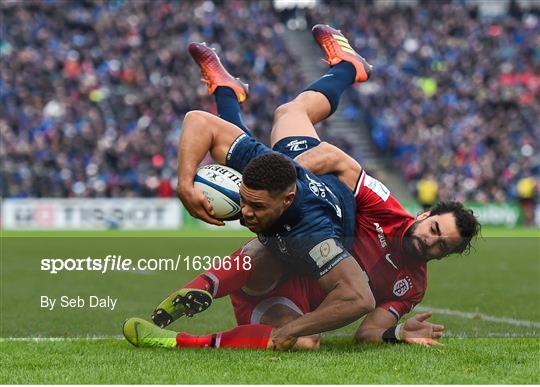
[[256, 316], [289, 300], [228, 91], [279, 315], [256, 271], [142, 333], [321, 98]]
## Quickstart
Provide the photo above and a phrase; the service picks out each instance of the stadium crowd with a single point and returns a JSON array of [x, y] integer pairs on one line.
[[92, 93], [453, 96]]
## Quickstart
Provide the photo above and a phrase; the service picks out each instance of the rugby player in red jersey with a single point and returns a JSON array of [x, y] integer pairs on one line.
[[390, 245]]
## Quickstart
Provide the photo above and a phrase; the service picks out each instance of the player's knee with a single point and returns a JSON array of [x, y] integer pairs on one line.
[[311, 342], [286, 108]]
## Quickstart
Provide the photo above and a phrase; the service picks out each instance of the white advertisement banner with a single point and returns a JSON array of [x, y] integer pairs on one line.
[[91, 214]]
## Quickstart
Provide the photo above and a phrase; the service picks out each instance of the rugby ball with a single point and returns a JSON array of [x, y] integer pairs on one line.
[[221, 186]]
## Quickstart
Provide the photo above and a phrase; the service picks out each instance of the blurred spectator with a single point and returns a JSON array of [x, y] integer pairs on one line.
[[427, 191], [526, 190]]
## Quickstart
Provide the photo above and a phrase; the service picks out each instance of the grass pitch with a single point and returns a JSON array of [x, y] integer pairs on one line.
[[488, 302]]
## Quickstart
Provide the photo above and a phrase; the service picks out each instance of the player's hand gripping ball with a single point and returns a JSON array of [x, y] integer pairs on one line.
[[221, 186]]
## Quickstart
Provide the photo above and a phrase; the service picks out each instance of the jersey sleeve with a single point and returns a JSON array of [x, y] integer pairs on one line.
[[369, 191], [399, 308], [243, 150], [325, 255]]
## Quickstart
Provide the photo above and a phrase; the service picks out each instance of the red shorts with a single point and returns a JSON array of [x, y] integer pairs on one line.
[[301, 294]]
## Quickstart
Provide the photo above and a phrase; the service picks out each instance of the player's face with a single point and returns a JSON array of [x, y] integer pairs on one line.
[[432, 237], [261, 209]]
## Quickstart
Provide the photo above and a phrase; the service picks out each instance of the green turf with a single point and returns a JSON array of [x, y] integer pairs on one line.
[[499, 278], [114, 361]]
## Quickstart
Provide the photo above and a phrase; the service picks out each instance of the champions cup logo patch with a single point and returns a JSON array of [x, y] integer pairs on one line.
[[402, 286], [324, 252], [325, 249]]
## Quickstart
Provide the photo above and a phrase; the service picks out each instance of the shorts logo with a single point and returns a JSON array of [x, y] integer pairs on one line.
[[402, 286], [297, 145]]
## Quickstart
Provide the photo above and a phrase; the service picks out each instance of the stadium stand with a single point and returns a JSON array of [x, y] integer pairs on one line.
[[453, 95], [92, 93]]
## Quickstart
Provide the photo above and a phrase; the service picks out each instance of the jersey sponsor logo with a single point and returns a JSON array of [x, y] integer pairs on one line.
[[313, 187], [325, 251], [388, 258], [297, 145], [320, 189], [380, 233], [377, 187], [402, 286]]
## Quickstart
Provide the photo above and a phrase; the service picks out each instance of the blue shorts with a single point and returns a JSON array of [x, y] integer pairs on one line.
[[245, 148], [295, 145]]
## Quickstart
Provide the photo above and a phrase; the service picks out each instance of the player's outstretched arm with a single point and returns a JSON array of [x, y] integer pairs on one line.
[[416, 330], [202, 132], [327, 158], [349, 298]]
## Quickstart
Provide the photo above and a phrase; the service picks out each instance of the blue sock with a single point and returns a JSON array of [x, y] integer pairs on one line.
[[334, 82], [229, 108]]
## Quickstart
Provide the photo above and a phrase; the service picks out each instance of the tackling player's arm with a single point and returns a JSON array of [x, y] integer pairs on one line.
[[349, 297], [327, 158], [202, 132], [381, 326]]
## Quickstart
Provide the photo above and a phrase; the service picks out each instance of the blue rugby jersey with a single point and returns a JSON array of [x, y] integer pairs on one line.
[[315, 232]]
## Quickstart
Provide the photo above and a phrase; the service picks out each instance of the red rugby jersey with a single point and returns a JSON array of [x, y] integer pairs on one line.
[[398, 282]]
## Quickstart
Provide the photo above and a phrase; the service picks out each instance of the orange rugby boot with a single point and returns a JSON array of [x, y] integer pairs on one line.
[[214, 73], [336, 48]]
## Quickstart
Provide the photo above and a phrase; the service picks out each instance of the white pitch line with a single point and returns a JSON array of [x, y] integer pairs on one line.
[[89, 338], [479, 316], [418, 308]]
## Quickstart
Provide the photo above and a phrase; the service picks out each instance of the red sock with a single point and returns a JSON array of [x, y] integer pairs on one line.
[[186, 340], [225, 280], [201, 282], [243, 336]]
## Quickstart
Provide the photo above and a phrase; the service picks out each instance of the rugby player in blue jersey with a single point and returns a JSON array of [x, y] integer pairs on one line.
[[305, 220]]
